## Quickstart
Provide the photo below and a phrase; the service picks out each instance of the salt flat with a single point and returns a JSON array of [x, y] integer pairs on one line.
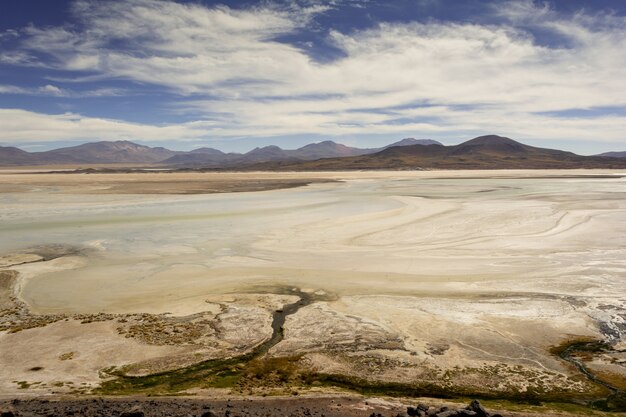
[[432, 271]]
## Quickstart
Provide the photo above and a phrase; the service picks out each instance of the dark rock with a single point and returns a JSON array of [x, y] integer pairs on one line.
[[7, 414], [208, 414], [478, 409], [467, 413], [412, 412], [422, 407]]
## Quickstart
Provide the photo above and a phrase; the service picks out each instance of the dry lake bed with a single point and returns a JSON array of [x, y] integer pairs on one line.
[[495, 284]]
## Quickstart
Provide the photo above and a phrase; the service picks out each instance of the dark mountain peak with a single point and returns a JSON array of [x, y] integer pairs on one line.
[[490, 140], [104, 152], [117, 143], [120, 142], [112, 145], [265, 153], [273, 149], [412, 146], [323, 144], [207, 151], [491, 144], [326, 149], [326, 142], [413, 141], [266, 148]]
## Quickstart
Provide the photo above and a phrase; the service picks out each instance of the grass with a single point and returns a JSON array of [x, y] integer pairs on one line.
[[257, 374], [580, 344], [288, 375]]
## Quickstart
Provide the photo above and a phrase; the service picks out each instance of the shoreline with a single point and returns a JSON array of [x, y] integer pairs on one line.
[[230, 371], [187, 183], [179, 294]]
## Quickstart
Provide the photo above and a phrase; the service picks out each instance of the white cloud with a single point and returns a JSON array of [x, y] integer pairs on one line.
[[11, 89], [21, 126], [483, 78], [24, 126], [54, 91], [46, 90]]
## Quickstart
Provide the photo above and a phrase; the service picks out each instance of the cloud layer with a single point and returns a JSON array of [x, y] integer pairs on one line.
[[229, 69], [24, 126]]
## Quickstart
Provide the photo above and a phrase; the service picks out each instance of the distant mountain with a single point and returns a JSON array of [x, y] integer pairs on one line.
[[491, 145], [131, 153], [211, 158], [266, 153], [207, 151], [121, 151], [202, 156], [614, 154], [326, 149], [411, 141], [484, 152], [15, 156], [89, 153]]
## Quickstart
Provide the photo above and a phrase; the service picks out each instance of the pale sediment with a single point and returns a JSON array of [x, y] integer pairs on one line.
[[424, 285]]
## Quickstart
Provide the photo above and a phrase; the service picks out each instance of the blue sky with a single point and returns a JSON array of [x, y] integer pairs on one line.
[[240, 74]]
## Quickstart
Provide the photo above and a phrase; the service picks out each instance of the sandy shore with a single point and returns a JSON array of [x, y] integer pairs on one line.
[[460, 280], [156, 182]]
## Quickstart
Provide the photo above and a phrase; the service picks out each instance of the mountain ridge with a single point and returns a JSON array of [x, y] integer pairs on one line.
[[273, 153], [123, 151], [482, 152]]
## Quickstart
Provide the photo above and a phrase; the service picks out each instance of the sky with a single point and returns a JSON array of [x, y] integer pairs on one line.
[[239, 74]]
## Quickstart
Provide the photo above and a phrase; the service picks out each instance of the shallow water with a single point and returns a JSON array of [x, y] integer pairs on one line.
[[384, 236]]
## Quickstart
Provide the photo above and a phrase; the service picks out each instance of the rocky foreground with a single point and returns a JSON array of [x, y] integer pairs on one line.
[[186, 407]]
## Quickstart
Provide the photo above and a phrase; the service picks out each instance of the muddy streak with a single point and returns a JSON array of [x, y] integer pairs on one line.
[[44, 252], [568, 351], [213, 372], [279, 318]]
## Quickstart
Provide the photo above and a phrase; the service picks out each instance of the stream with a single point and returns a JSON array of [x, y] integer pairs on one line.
[[225, 371], [617, 395]]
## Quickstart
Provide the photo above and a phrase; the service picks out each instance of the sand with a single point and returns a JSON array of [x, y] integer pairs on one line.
[[431, 270]]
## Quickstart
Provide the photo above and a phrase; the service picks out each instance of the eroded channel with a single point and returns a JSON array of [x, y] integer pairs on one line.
[[213, 372]]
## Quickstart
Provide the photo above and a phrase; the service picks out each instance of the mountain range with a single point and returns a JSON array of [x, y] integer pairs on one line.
[[125, 152], [484, 152], [87, 153]]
